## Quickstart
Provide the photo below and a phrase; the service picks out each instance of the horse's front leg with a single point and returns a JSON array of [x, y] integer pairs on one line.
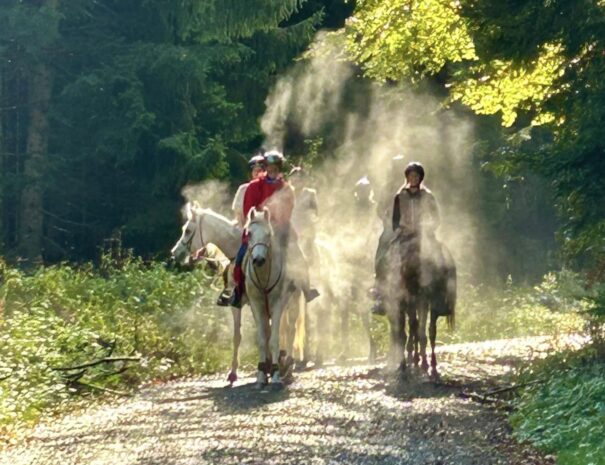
[[412, 343], [261, 333], [365, 319], [237, 339], [422, 316], [398, 337], [276, 315]]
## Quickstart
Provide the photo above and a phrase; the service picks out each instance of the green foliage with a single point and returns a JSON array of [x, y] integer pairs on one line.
[[148, 95], [63, 316], [563, 411], [407, 38], [554, 307]]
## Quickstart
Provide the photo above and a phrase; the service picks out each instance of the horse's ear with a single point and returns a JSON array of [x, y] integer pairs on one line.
[[252, 213], [266, 214], [190, 211]]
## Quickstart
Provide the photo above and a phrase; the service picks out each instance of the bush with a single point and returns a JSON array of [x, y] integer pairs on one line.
[[63, 316], [564, 411], [552, 308]]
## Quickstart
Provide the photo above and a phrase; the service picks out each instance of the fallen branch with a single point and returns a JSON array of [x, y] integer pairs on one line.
[[98, 362], [102, 389], [515, 386], [487, 400]]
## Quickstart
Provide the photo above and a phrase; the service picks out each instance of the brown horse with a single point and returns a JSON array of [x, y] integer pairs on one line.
[[421, 282]]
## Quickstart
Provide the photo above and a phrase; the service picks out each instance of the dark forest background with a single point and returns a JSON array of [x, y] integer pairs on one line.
[[109, 107]]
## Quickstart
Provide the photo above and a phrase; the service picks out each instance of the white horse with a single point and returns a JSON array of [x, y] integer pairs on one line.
[[204, 226], [267, 289]]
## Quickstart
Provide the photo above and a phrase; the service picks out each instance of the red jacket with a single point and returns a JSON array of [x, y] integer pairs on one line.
[[276, 195]]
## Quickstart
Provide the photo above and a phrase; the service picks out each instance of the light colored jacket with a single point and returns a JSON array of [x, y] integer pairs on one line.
[[415, 212]]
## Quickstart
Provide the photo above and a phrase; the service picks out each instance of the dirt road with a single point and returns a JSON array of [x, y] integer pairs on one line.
[[335, 415]]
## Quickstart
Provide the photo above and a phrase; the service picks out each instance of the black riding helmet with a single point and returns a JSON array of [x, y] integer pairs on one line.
[[416, 167], [274, 157], [257, 160]]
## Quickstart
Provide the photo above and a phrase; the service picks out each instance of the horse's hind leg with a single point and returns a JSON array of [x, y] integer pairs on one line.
[[344, 333], [365, 319], [433, 337], [237, 339], [412, 339]]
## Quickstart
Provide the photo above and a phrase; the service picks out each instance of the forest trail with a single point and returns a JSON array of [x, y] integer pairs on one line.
[[352, 414]]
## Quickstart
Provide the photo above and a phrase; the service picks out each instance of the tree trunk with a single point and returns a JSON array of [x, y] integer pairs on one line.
[[31, 227]]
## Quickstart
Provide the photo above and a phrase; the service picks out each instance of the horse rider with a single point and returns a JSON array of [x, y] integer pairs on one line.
[[272, 191], [305, 212], [257, 166], [415, 215]]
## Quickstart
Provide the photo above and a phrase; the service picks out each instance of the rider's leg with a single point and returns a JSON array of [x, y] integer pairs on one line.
[[299, 269], [238, 277], [380, 265]]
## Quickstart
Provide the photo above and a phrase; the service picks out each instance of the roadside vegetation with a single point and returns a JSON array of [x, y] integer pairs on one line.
[[130, 323]]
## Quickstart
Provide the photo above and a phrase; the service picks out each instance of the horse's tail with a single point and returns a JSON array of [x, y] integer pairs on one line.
[[451, 292]]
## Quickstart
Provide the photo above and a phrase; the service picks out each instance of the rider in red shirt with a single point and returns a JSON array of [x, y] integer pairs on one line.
[[272, 191]]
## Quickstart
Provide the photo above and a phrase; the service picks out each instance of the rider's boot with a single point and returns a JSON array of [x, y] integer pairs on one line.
[[378, 308], [236, 297], [224, 298], [310, 293]]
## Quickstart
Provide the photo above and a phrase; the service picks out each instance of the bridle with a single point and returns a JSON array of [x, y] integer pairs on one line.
[[266, 288], [199, 224]]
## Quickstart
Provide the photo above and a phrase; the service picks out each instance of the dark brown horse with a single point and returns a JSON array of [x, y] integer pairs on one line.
[[421, 283]]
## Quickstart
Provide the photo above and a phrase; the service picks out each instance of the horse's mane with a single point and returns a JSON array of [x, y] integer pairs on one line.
[[198, 210]]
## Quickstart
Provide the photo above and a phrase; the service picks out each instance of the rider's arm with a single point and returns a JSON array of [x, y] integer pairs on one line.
[[252, 197], [396, 213], [238, 204], [433, 218]]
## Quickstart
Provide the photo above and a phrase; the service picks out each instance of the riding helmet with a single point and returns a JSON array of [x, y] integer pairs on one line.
[[416, 167], [257, 160], [274, 157]]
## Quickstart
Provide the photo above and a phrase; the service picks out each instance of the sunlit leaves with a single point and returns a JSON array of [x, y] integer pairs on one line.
[[505, 87], [402, 39], [408, 39]]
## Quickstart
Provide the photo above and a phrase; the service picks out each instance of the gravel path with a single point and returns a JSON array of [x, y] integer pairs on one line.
[[335, 415]]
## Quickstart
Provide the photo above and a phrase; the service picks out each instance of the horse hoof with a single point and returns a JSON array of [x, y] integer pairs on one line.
[[261, 380], [434, 376], [277, 386], [300, 365], [232, 377]]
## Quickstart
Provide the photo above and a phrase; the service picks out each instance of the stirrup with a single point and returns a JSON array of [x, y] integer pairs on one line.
[[224, 298]]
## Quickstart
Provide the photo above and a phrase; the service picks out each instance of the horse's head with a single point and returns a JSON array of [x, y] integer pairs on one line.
[[191, 239], [260, 235]]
